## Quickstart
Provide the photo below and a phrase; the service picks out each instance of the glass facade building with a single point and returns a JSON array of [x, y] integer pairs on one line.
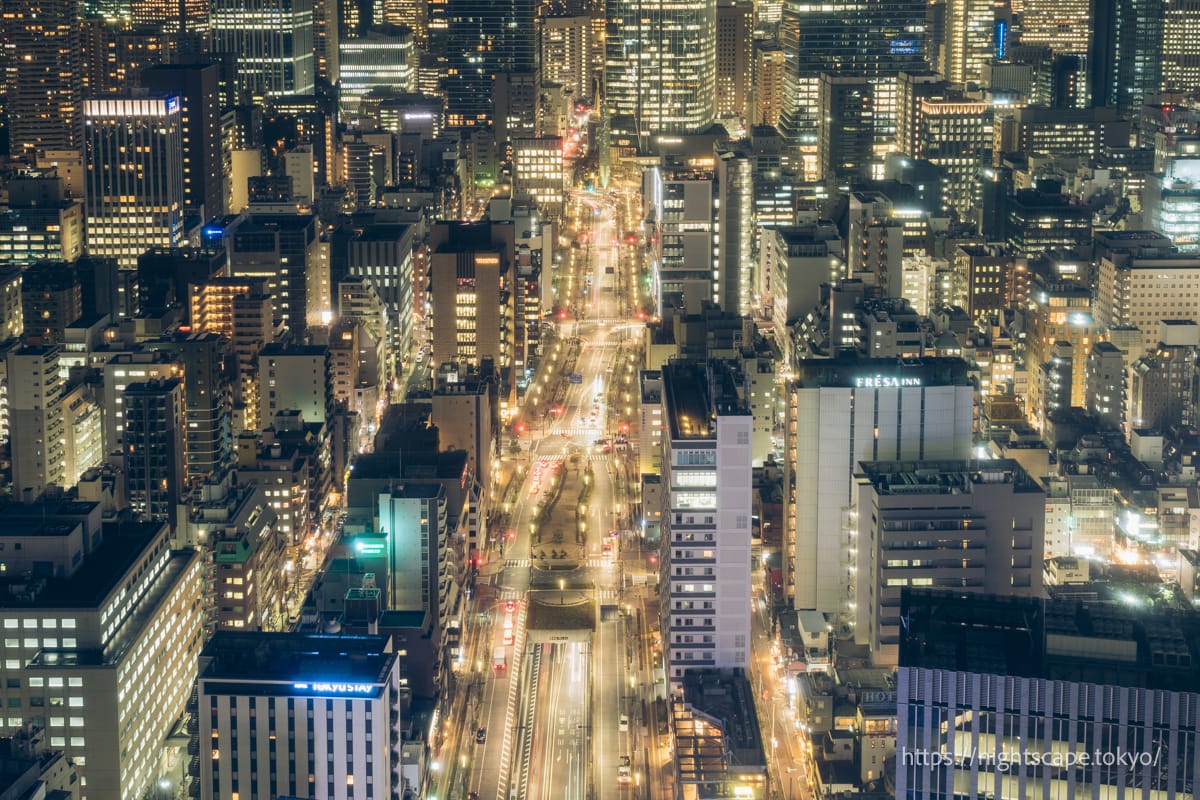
[[661, 64]]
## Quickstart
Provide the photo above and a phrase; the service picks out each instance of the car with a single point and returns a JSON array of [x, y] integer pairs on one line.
[[510, 606], [481, 736], [623, 775], [623, 724]]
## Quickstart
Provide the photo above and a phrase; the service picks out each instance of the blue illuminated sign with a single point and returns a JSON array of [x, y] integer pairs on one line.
[[172, 104], [1001, 34], [905, 46], [336, 688]]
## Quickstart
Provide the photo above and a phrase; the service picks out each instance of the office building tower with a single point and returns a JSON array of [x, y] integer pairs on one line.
[[660, 65], [539, 172], [382, 61], [484, 38], [1067, 675], [1065, 26], [1141, 283], [155, 447], [874, 41], [1106, 385], [102, 649], [35, 420], [974, 526], [273, 40], [464, 413], [702, 212], [969, 40], [474, 315], [413, 518], [165, 275], [767, 91], [208, 399], [51, 299], [198, 90], [383, 255], [567, 53], [177, 17], [327, 36], [1036, 223], [1180, 46], [135, 167], [294, 378], [845, 410], [516, 108], [735, 51], [280, 695], [1162, 383], [1070, 132], [1125, 57], [706, 520], [846, 128], [1060, 312], [282, 249], [1173, 200], [41, 222], [44, 80]]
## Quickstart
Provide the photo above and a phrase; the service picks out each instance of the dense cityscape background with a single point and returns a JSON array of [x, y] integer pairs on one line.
[[599, 399]]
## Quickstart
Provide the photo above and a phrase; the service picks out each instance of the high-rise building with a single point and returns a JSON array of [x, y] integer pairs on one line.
[[1065, 26], [970, 526], [35, 420], [969, 40], [660, 64], [845, 129], [208, 398], [294, 378], [273, 40], [1125, 56], [281, 695], [101, 650], [472, 269], [170, 16], [770, 77], [567, 53], [539, 172], [702, 210], [1106, 385], [706, 520], [41, 222], [135, 167], [735, 53], [198, 89], [845, 410], [155, 447], [1110, 676], [1173, 200], [413, 518], [51, 299], [1141, 283], [382, 60], [282, 249], [873, 41], [44, 75], [1180, 46], [484, 38]]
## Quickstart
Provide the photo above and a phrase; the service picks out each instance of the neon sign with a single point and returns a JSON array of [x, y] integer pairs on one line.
[[884, 382], [336, 688]]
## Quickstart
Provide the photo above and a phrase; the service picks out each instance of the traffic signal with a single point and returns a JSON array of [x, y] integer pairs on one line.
[[520, 428]]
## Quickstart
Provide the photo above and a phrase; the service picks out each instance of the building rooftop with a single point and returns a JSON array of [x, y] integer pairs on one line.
[[105, 567], [1067, 639], [695, 393], [943, 477], [727, 700], [247, 656]]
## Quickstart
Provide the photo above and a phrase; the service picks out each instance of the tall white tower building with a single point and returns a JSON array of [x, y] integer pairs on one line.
[[845, 410], [706, 519]]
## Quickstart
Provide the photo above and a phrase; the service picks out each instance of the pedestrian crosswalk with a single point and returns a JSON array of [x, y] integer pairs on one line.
[[517, 563], [525, 563]]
